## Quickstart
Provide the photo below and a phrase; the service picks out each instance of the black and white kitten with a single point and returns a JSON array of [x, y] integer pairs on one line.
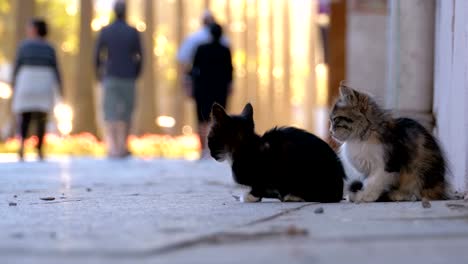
[[285, 163]]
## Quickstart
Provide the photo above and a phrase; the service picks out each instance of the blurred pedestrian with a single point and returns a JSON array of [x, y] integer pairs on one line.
[[190, 45], [118, 61], [212, 80], [36, 82]]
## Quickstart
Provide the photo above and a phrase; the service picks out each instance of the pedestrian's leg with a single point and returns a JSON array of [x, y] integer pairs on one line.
[[25, 120], [203, 128], [123, 129], [115, 139], [110, 138], [127, 128], [110, 108], [41, 121], [127, 114]]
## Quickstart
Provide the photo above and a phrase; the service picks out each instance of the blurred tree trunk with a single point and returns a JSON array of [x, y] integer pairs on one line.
[[287, 65], [271, 66], [311, 89], [179, 104], [23, 11], [145, 113], [337, 48], [82, 94]]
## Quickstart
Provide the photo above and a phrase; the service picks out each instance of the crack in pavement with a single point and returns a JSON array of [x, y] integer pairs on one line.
[[223, 238], [277, 215], [218, 238], [55, 202]]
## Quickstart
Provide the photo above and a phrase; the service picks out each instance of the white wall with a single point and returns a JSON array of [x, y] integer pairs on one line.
[[366, 52], [411, 59], [451, 85]]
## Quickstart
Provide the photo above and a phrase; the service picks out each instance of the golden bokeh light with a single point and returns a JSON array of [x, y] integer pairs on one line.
[[5, 90], [141, 26], [165, 121], [187, 130], [64, 116], [72, 8]]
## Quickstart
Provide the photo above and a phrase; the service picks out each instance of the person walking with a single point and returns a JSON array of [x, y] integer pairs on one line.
[[36, 83], [212, 80], [190, 45], [118, 61], [185, 57]]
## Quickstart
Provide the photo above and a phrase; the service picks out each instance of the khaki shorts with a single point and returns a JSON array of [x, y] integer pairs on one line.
[[118, 99]]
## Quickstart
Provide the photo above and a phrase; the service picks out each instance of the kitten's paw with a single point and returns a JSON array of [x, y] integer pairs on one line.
[[366, 197], [249, 198], [351, 197], [293, 199]]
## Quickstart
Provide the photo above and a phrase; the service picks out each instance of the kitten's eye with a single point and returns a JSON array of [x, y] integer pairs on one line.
[[342, 118]]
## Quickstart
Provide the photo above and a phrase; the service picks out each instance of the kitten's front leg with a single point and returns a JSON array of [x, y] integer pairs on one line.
[[353, 188], [374, 186], [251, 197], [352, 176]]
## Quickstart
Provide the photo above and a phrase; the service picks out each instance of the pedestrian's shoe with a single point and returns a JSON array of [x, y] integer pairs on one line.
[[40, 154], [21, 154], [126, 154]]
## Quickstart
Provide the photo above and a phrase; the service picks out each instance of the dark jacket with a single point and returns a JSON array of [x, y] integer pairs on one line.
[[212, 68], [118, 51]]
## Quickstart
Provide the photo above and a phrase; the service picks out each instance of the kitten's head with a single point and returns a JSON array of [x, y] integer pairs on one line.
[[229, 131], [353, 115]]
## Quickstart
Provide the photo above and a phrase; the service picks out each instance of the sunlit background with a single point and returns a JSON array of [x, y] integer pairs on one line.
[[277, 55]]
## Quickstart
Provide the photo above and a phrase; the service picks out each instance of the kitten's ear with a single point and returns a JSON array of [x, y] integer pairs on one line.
[[347, 93], [218, 113], [248, 111]]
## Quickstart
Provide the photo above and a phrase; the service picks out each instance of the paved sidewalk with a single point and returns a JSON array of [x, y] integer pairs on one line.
[[173, 211]]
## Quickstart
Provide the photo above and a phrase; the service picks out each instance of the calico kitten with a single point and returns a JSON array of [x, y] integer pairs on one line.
[[385, 158], [285, 163]]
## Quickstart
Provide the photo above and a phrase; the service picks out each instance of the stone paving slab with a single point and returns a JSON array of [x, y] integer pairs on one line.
[[174, 211]]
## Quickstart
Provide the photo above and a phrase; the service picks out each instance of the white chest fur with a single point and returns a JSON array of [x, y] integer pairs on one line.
[[365, 157]]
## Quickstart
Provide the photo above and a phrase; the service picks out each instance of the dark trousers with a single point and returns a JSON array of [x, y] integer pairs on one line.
[[26, 119]]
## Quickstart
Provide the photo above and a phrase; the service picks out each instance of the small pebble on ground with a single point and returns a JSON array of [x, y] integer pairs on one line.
[[47, 198], [319, 210], [17, 235], [425, 203]]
